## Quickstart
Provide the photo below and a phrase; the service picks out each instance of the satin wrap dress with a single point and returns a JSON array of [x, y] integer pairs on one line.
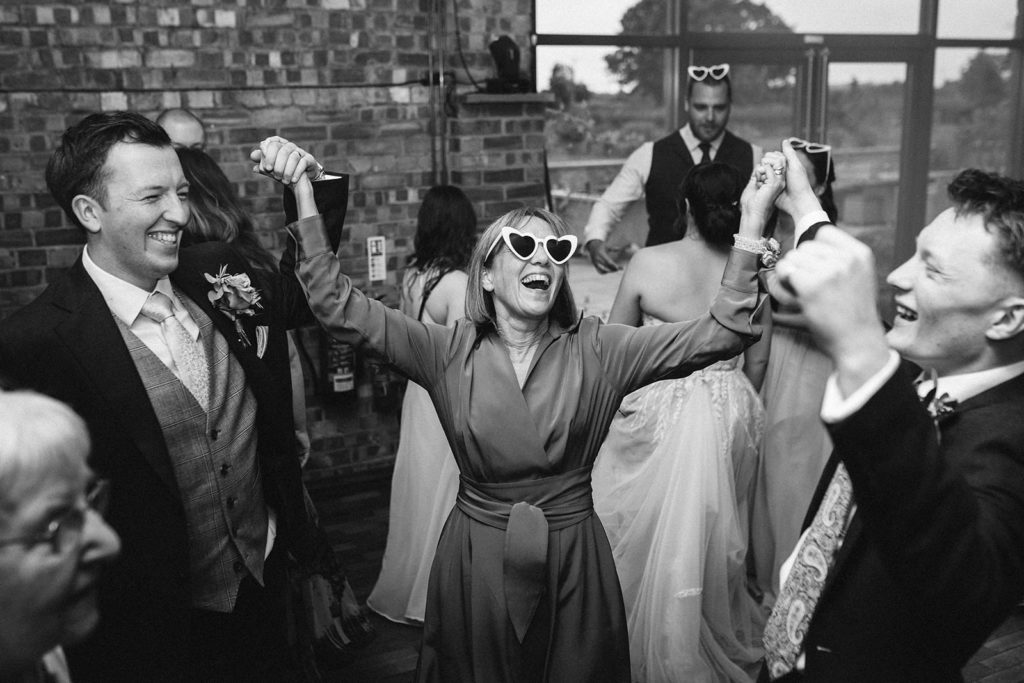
[[523, 585]]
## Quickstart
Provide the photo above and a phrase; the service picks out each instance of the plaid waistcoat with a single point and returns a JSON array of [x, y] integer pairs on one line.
[[214, 460]]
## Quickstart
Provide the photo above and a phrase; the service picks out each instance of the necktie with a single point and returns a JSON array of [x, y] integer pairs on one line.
[[705, 153], [186, 352], [784, 633]]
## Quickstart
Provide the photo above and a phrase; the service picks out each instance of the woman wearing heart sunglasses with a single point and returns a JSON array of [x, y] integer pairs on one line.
[[523, 586], [673, 480]]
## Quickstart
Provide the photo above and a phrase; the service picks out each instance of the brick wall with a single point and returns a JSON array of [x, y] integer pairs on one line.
[[333, 75]]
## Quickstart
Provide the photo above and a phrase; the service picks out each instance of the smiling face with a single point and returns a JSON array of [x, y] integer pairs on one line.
[[708, 109], [135, 228], [49, 598], [948, 296], [523, 290]]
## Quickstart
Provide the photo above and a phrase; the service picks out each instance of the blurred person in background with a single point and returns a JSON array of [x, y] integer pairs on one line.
[[425, 479], [796, 444], [655, 170], [183, 127]]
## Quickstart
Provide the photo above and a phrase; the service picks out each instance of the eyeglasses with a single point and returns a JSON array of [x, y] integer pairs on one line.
[[65, 532], [813, 148], [524, 245], [699, 73]]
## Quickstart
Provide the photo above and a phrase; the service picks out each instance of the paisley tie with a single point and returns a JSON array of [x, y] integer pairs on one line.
[[784, 633]]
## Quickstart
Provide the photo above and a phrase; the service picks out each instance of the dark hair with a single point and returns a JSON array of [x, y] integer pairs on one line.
[[217, 212], [712, 83], [76, 166], [713, 193], [999, 201], [445, 234], [824, 174]]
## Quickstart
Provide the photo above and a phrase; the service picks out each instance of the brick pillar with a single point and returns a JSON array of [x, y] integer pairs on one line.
[[497, 151]]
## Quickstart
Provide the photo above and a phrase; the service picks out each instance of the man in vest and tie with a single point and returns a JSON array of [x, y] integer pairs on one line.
[[913, 547], [178, 363], [656, 169]]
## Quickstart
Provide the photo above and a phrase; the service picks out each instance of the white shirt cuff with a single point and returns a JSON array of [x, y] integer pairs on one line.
[[806, 221], [835, 408]]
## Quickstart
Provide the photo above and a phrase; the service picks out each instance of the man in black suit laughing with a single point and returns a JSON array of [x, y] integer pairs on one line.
[[913, 548]]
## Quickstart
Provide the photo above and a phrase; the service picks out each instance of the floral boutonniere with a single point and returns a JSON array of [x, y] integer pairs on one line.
[[234, 296], [940, 406]]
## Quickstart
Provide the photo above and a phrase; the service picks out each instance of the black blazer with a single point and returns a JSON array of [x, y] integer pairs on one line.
[[67, 344], [933, 560]]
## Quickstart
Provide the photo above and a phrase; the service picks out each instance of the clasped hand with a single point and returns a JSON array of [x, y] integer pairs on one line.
[[285, 162]]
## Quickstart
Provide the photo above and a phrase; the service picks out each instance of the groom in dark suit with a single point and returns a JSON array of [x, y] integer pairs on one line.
[[187, 398], [913, 549]]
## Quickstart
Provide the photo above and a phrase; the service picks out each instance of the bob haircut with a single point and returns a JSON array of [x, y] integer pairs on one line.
[[37, 434], [479, 303]]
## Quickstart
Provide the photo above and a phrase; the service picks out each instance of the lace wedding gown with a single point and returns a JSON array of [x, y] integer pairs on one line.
[[672, 485]]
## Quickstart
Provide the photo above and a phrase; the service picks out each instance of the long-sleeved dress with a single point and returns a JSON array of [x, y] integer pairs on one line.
[[523, 586]]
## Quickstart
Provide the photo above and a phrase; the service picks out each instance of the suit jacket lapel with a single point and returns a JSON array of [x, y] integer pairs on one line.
[[92, 338]]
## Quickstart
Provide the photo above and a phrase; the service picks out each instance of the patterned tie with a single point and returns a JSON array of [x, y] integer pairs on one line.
[[784, 633], [187, 353], [705, 153]]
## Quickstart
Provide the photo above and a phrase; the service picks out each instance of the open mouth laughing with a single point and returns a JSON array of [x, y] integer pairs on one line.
[[539, 281], [904, 313]]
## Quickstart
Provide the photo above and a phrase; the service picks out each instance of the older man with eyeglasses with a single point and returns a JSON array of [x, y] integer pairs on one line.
[[656, 169], [53, 541]]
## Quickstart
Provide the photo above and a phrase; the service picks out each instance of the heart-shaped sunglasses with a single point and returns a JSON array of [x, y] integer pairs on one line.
[[524, 245], [717, 72], [813, 148]]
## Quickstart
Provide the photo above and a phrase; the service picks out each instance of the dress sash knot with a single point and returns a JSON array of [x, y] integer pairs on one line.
[[527, 511]]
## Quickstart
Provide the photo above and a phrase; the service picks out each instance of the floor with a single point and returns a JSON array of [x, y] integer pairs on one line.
[[355, 512]]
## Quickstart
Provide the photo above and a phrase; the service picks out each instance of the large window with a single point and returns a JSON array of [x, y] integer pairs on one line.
[[908, 93]]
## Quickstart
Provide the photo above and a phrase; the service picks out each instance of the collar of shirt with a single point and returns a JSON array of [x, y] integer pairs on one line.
[[125, 300], [693, 144], [970, 384]]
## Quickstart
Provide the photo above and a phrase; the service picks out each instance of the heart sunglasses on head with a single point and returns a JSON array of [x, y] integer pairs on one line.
[[716, 72], [524, 245], [813, 148]]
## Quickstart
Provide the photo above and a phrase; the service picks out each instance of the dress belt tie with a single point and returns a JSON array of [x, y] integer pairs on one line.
[[527, 511]]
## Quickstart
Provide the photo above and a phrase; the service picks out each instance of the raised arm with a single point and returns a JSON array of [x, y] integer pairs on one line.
[[344, 311]]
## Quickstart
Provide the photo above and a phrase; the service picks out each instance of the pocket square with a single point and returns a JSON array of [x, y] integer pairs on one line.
[[262, 334]]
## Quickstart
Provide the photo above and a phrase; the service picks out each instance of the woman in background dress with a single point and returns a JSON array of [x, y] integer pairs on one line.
[[796, 444], [673, 481], [425, 479]]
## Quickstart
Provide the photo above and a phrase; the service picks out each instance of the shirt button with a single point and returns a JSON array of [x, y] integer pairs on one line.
[[239, 567], [231, 502], [224, 469]]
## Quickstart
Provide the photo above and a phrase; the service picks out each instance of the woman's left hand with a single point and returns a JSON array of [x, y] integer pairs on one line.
[[758, 198]]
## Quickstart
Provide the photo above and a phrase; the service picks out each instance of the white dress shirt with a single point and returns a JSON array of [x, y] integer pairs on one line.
[[125, 300], [628, 185]]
